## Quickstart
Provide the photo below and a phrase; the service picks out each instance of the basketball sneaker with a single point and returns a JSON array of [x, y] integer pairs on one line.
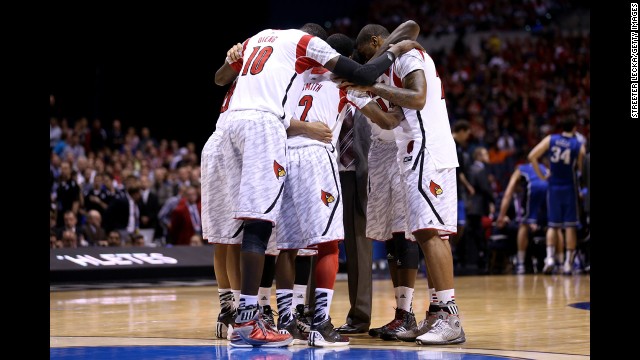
[[408, 322], [423, 326], [549, 266], [267, 316], [302, 315], [251, 330], [443, 332], [291, 328], [393, 323], [520, 269], [225, 320], [324, 335]]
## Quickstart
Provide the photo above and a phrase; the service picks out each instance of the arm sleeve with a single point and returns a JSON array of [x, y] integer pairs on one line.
[[363, 74]]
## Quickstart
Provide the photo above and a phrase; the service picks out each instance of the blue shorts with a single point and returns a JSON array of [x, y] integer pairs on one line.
[[534, 201], [462, 213], [563, 206]]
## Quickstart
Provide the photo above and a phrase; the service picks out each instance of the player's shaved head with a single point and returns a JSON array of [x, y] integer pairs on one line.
[[341, 43], [369, 31], [369, 40], [315, 30]]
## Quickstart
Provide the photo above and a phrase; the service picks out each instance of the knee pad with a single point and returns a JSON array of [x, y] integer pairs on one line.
[[256, 236], [390, 246], [407, 250]]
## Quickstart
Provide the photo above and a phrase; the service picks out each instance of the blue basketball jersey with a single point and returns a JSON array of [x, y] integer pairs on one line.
[[563, 154], [531, 177]]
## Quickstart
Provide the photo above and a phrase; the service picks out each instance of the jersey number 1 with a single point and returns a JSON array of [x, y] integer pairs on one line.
[[257, 59]]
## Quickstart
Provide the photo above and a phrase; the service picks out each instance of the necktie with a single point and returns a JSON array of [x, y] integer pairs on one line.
[[345, 139]]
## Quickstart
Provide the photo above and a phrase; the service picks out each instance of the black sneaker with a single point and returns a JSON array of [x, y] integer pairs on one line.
[[408, 322], [225, 321], [267, 316], [291, 328], [302, 318], [324, 335], [375, 332]]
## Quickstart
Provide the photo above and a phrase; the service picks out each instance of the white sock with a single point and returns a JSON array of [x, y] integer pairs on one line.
[[433, 296], [520, 256], [323, 304], [447, 300], [284, 299], [444, 296], [236, 298], [299, 295], [248, 300], [551, 250], [405, 298], [569, 256], [396, 293], [264, 296]]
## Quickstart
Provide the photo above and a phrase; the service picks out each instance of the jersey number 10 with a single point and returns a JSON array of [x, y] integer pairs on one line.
[[256, 60]]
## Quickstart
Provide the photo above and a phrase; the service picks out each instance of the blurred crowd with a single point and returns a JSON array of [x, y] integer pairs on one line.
[[111, 187]]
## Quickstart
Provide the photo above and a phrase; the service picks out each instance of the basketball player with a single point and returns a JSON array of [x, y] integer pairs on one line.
[[565, 150], [386, 204], [427, 158], [253, 153], [531, 203], [227, 256]]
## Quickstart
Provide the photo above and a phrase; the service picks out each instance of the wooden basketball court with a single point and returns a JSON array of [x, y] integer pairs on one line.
[[526, 316]]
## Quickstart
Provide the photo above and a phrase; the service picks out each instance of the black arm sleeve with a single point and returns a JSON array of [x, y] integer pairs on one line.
[[363, 74]]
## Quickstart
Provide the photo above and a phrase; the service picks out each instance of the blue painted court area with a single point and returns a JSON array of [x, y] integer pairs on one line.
[[582, 305], [226, 352]]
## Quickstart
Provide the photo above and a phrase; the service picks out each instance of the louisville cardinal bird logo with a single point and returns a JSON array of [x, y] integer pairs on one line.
[[278, 169], [435, 189], [326, 197], [410, 147]]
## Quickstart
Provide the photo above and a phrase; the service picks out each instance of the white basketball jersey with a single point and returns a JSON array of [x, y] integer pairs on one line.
[[376, 131], [271, 61], [320, 100], [430, 125]]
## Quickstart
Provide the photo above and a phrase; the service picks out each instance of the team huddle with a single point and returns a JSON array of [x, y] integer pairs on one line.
[[270, 183]]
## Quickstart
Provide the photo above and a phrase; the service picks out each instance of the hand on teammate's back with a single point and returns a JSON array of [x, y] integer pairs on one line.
[[235, 53], [319, 131], [404, 46]]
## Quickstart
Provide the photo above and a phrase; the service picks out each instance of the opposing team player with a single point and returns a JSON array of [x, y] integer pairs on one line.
[[565, 163], [531, 202]]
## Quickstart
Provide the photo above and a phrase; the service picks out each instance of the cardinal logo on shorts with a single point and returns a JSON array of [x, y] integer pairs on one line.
[[326, 197], [278, 169], [435, 189], [410, 147]]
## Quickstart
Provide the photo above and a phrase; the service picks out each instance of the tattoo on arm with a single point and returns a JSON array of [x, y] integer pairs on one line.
[[411, 96]]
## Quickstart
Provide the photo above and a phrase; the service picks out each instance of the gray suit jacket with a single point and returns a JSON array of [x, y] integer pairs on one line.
[[361, 144]]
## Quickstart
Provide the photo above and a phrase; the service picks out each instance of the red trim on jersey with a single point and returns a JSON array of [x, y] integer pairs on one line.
[[343, 100], [303, 62], [319, 70], [396, 80], [421, 54]]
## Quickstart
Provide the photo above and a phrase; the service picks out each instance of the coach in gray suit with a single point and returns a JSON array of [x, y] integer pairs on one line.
[[359, 249]]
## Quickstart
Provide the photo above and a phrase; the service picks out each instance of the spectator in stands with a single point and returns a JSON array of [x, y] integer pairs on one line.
[[71, 225], [115, 139], [148, 204], [138, 240], [161, 186], [73, 148], [97, 136], [55, 133], [92, 231], [113, 240], [123, 214], [185, 218], [196, 240], [69, 239], [67, 193], [97, 198], [164, 215]]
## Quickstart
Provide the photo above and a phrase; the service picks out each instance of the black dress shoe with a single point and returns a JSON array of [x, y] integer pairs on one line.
[[351, 329]]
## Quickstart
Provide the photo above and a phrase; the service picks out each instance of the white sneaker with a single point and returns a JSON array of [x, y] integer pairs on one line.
[[520, 269], [566, 268], [549, 265], [443, 332]]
